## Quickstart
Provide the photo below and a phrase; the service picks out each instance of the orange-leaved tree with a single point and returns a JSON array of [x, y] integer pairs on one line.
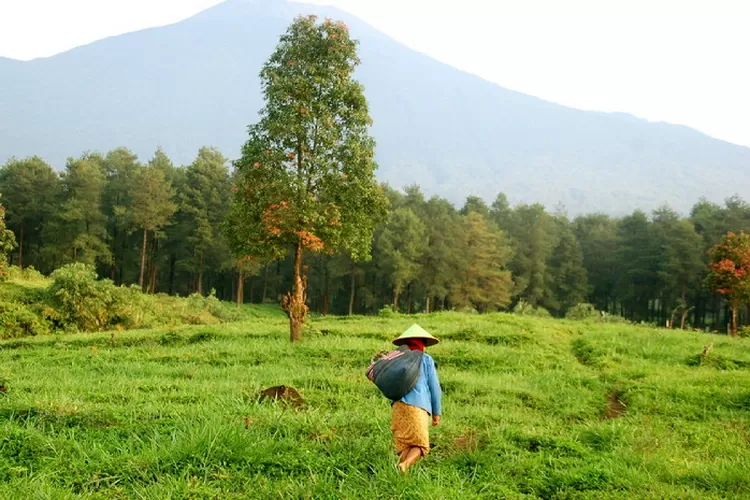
[[306, 181], [729, 271]]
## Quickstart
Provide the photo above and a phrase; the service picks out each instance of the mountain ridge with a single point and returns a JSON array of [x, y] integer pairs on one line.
[[195, 82]]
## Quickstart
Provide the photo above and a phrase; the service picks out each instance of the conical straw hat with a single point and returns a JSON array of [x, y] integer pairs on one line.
[[416, 332]]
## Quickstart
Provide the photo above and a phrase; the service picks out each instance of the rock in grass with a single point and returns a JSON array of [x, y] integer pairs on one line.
[[283, 393]]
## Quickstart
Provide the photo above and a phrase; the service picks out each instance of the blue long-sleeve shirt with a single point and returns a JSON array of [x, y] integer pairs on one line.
[[427, 393]]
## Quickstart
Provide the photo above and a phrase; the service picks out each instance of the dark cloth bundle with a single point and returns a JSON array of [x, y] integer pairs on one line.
[[397, 372]]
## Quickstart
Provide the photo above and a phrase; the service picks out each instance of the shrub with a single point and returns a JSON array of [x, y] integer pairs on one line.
[[80, 299], [523, 308], [19, 320], [131, 308], [582, 311], [388, 312], [27, 274]]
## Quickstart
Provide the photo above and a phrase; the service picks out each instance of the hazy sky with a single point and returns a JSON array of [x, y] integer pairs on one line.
[[680, 61]]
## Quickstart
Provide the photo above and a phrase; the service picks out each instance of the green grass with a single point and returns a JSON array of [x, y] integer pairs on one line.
[[172, 413]]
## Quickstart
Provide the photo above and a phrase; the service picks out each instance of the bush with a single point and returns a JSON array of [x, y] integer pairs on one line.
[[211, 307], [388, 312], [80, 299], [523, 308], [19, 320], [582, 311], [76, 300], [131, 308], [28, 274]]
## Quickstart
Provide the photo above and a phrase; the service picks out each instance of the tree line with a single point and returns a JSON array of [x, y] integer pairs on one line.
[[301, 221], [159, 225]]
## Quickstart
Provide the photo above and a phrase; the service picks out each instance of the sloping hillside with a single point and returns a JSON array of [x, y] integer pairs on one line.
[[195, 83], [532, 409]]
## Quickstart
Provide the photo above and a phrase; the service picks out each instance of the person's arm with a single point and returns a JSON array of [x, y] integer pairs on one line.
[[436, 392]]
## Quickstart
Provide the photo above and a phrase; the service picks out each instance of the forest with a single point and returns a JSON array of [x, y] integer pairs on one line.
[[161, 226]]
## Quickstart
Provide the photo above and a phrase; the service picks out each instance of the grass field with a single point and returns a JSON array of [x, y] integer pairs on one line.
[[533, 408]]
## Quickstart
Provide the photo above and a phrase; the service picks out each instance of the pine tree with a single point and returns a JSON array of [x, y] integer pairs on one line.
[[31, 189], [569, 281], [597, 236], [534, 237], [400, 246], [484, 281], [121, 169], [152, 206], [205, 202], [638, 262], [84, 227]]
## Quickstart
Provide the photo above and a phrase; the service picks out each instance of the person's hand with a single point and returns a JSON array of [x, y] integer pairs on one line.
[[435, 420]]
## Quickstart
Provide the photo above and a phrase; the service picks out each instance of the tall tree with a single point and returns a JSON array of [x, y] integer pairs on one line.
[[569, 281], [597, 236], [306, 176], [400, 246], [441, 257], [638, 263], [205, 203], [501, 213], [7, 242], [729, 271], [83, 185], [681, 264], [533, 232], [31, 188], [121, 169], [484, 281], [475, 204], [152, 206]]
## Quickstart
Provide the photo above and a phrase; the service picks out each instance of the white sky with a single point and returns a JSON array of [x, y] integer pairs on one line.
[[680, 61]]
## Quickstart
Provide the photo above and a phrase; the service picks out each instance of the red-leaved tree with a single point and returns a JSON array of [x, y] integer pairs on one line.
[[729, 271]]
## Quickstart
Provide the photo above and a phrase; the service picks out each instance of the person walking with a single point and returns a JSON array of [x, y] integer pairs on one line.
[[410, 419]]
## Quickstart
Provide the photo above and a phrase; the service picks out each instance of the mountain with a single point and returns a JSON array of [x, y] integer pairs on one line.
[[196, 83]]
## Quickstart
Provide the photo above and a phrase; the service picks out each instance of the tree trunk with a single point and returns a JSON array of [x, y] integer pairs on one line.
[[172, 263], [734, 320], [265, 285], [352, 292], [395, 298], [199, 285], [143, 258], [671, 317], [409, 301], [240, 289], [152, 279], [685, 313], [20, 248], [326, 292], [427, 305], [294, 301], [152, 267]]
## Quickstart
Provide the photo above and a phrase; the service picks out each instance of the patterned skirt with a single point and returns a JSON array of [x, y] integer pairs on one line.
[[410, 427]]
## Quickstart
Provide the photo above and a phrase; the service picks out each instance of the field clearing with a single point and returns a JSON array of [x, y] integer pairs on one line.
[[533, 408]]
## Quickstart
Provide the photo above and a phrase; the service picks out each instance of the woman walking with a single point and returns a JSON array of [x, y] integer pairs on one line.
[[411, 414]]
